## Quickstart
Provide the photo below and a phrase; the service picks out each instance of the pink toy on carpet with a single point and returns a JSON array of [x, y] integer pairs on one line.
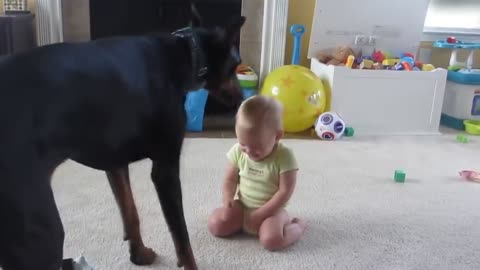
[[470, 175]]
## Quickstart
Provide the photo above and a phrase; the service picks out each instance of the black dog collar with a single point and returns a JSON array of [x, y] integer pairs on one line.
[[198, 58]]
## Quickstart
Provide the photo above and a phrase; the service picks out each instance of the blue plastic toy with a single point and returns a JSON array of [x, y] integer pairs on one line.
[[297, 30], [195, 107]]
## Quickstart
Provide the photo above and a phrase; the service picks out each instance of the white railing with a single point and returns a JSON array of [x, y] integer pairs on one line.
[[49, 21], [273, 36]]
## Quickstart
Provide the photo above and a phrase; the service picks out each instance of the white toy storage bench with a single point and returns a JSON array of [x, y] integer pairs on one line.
[[378, 102], [385, 102]]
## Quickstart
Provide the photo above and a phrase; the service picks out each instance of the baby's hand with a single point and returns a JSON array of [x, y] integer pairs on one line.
[[227, 209], [228, 204], [255, 220]]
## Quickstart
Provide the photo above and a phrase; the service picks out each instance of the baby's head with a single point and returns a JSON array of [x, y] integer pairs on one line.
[[259, 126]]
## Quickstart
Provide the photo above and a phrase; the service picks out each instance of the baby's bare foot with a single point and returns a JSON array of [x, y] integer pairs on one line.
[[300, 222]]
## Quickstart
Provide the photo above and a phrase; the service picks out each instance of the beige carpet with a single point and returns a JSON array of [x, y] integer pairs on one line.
[[359, 218]]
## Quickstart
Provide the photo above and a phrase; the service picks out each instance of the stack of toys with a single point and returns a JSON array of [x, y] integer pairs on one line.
[[461, 108], [248, 80], [345, 56]]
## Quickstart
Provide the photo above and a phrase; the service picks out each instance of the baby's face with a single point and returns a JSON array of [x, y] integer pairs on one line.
[[258, 144]]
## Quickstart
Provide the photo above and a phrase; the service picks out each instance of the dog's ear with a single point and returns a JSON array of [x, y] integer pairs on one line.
[[196, 19], [232, 31]]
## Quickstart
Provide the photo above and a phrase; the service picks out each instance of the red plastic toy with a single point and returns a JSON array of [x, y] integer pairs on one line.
[[378, 56], [451, 40], [407, 66]]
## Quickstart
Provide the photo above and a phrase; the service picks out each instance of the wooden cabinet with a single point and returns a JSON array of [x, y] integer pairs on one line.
[[17, 33]]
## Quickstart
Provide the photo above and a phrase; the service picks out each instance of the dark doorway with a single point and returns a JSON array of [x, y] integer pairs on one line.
[[138, 17]]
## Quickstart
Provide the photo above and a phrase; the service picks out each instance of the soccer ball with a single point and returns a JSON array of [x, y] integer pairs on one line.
[[329, 126]]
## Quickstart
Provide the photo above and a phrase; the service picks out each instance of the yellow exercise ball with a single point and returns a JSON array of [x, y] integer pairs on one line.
[[301, 93]]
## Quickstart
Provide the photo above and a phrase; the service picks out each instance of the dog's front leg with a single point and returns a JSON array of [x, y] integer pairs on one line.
[[120, 183], [167, 183]]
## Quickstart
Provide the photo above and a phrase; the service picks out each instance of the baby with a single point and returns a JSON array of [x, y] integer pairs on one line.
[[264, 172]]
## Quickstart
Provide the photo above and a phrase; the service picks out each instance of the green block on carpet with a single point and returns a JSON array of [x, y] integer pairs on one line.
[[349, 131], [462, 138], [399, 176]]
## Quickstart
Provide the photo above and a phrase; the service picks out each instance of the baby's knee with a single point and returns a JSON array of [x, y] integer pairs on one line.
[[214, 223], [214, 227], [217, 223]]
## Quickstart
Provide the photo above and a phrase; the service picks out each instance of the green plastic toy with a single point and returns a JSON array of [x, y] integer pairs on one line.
[[462, 138], [349, 131], [454, 68], [399, 176]]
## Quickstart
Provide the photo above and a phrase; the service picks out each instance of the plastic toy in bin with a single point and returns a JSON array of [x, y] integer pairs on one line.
[[247, 76], [338, 57], [378, 60]]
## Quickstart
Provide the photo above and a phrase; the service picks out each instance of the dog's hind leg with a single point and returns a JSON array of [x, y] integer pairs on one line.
[[31, 231], [166, 178], [120, 183]]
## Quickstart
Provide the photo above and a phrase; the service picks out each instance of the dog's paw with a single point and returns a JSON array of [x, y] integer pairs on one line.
[[143, 256], [188, 266]]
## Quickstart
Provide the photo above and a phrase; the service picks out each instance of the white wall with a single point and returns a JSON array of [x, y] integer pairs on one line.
[[463, 15]]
